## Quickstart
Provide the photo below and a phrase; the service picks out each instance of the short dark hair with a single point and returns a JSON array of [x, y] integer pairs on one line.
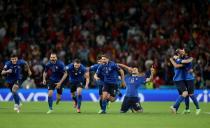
[[53, 53], [106, 56], [98, 57], [13, 55], [77, 61]]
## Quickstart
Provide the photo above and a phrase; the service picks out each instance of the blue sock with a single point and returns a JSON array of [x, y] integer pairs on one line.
[[16, 98], [79, 100], [187, 103], [100, 102], [50, 102], [178, 101], [104, 103], [195, 101]]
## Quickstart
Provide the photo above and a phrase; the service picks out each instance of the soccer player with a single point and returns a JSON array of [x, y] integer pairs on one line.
[[188, 79], [133, 82], [12, 71], [78, 75], [110, 72], [179, 80], [100, 82], [54, 70]]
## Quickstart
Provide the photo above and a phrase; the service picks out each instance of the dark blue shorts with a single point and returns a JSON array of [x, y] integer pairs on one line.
[[74, 86], [190, 86], [51, 86], [110, 88], [100, 85], [130, 103], [181, 86], [11, 84]]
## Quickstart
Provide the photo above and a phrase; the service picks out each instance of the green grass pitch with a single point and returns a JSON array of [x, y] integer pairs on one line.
[[156, 115]]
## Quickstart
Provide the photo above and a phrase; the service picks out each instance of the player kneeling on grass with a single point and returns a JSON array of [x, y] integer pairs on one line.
[[133, 82], [54, 69]]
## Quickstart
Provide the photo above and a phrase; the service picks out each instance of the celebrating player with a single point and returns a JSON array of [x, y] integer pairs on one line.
[[184, 63], [100, 82], [77, 76], [54, 70], [133, 82], [12, 71], [110, 71]]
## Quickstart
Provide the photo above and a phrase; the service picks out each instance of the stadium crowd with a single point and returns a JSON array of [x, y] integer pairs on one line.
[[133, 32]]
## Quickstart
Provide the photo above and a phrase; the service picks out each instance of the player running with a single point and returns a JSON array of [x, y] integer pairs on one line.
[[12, 72], [110, 72], [54, 71], [100, 82], [78, 75], [133, 82]]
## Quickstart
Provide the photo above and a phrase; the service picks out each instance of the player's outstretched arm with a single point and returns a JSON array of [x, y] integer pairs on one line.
[[122, 75], [175, 64], [129, 69], [187, 60], [44, 77], [3, 72], [28, 69], [87, 77]]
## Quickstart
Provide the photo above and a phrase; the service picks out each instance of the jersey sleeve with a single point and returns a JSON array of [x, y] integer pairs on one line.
[[6, 66], [92, 68], [116, 67], [178, 61], [84, 69], [46, 67], [98, 71], [62, 67], [22, 62], [67, 67]]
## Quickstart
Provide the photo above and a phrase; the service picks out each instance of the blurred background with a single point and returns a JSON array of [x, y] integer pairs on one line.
[[133, 32]]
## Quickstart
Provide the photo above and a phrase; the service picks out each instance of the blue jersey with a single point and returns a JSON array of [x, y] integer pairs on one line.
[[16, 70], [56, 70], [76, 75], [94, 67], [178, 72], [132, 85], [188, 71], [110, 72]]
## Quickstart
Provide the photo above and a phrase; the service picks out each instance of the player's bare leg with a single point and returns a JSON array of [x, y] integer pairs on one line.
[[58, 98], [111, 99], [73, 95]]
